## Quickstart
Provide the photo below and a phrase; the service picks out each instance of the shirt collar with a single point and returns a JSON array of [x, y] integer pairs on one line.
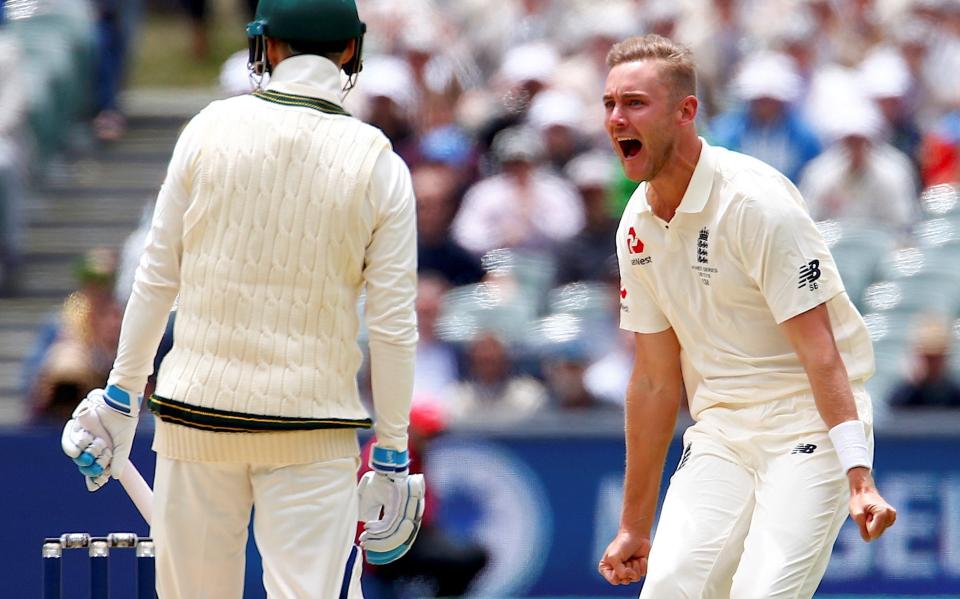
[[698, 190], [701, 183], [307, 75]]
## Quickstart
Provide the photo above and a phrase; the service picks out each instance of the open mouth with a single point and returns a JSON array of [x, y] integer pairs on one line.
[[630, 147]]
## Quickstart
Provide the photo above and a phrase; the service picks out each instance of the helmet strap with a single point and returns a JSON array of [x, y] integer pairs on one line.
[[257, 62]]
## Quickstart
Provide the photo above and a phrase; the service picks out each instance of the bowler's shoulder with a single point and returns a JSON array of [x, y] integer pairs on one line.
[[635, 205], [746, 181]]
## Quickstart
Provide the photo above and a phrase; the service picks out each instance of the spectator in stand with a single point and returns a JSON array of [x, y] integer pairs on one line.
[[931, 384], [940, 158], [859, 177], [77, 347], [524, 206], [525, 72], [492, 393], [437, 252], [590, 255], [114, 26], [451, 148], [391, 102], [797, 40], [564, 367], [437, 365], [556, 114], [607, 378], [769, 127], [718, 37], [437, 565], [861, 31], [885, 77], [942, 61], [13, 106], [198, 11], [593, 27], [436, 77], [911, 39]]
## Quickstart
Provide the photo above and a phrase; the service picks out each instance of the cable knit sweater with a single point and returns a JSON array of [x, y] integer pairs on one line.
[[278, 208]]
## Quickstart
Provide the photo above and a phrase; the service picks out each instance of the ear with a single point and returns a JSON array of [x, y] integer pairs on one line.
[[688, 110], [277, 50], [348, 52]]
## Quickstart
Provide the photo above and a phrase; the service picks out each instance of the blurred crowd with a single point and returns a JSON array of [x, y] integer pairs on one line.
[[496, 108]]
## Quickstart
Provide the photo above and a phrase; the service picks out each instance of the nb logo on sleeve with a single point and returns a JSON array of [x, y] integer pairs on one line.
[[809, 273], [807, 448]]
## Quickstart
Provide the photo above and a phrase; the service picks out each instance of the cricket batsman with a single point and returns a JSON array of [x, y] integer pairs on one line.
[[278, 210]]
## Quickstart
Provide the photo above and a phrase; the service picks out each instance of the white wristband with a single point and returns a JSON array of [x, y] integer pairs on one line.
[[850, 441]]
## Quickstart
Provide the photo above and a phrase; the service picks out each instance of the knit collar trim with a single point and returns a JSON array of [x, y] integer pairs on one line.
[[307, 76], [297, 100]]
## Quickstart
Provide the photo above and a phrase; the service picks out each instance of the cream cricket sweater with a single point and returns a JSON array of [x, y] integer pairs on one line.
[[277, 210]]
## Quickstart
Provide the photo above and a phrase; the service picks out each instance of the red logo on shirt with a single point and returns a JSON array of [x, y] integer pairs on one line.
[[623, 293], [633, 242]]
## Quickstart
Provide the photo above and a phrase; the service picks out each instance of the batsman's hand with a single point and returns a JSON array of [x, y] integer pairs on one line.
[[391, 506], [99, 435], [625, 560], [868, 509]]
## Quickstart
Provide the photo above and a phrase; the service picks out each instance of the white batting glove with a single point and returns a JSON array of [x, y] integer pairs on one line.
[[391, 506], [99, 435]]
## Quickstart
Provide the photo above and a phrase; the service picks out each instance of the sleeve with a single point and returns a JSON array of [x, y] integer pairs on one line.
[[639, 311], [783, 252], [390, 273], [157, 280]]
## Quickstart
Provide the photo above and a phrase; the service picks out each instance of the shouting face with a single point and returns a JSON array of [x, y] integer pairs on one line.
[[642, 117]]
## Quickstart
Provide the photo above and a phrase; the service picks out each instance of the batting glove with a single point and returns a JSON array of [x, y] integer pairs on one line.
[[391, 506], [100, 433]]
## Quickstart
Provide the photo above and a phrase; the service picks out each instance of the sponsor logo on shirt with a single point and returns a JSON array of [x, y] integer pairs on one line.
[[809, 273], [635, 246], [623, 296], [807, 448]]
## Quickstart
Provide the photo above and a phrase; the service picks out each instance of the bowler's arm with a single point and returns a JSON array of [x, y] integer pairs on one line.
[[812, 338], [652, 402], [653, 398]]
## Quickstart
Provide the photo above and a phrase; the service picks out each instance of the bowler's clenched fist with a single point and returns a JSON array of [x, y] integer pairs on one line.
[[625, 560]]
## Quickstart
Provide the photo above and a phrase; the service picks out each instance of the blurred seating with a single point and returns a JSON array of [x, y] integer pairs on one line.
[[858, 249], [57, 40], [941, 201]]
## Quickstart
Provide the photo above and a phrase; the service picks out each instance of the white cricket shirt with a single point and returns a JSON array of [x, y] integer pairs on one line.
[[740, 256]]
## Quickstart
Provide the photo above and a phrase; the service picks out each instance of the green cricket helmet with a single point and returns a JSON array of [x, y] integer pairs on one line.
[[309, 26]]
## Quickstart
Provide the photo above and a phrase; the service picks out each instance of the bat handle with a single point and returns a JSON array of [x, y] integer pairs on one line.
[[139, 491], [131, 480]]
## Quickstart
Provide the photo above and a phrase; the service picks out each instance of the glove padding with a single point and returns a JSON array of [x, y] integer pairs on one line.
[[400, 496], [98, 437]]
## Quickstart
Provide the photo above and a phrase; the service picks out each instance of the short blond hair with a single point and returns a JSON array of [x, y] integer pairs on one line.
[[676, 60]]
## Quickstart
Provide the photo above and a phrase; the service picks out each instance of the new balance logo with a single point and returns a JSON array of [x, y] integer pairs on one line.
[[803, 448], [685, 456], [809, 273]]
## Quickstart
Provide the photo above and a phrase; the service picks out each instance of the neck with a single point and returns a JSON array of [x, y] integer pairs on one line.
[[665, 191]]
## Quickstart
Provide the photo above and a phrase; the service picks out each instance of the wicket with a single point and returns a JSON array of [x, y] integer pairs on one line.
[[99, 552]]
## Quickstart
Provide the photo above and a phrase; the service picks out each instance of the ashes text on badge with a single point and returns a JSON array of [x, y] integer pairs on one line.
[[705, 273]]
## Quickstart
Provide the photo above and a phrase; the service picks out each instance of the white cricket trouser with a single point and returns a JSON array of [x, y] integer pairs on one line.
[[754, 507], [304, 524]]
